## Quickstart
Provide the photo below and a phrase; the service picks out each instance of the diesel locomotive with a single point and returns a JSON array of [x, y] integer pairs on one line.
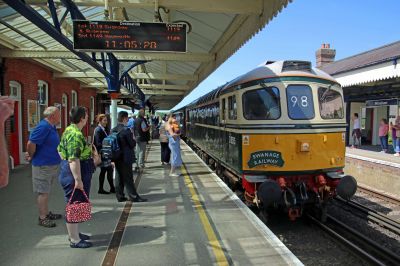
[[277, 133]]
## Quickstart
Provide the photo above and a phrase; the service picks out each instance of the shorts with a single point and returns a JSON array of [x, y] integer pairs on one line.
[[357, 133], [43, 177]]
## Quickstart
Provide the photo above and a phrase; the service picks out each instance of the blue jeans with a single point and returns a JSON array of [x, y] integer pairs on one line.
[[384, 142], [397, 145]]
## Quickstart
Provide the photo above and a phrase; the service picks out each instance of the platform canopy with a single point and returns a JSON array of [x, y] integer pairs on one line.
[[216, 29]]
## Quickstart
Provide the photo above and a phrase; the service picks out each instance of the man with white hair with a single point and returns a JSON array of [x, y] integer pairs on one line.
[[42, 152]]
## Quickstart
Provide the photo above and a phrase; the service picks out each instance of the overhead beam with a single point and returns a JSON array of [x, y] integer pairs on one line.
[[159, 76], [160, 92], [211, 6], [143, 87], [164, 87], [131, 56]]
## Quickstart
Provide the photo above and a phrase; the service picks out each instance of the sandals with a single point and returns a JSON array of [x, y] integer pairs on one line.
[[46, 222], [82, 237], [54, 216], [81, 244]]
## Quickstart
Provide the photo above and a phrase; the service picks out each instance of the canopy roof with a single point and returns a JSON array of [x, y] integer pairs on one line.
[[218, 29]]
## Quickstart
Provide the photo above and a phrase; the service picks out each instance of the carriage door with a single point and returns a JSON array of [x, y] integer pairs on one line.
[[222, 131], [15, 122]]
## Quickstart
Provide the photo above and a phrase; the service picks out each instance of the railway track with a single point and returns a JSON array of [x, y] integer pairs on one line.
[[378, 195], [372, 215], [363, 246]]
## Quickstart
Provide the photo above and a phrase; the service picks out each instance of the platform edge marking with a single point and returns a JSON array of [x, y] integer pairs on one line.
[[212, 238], [262, 228]]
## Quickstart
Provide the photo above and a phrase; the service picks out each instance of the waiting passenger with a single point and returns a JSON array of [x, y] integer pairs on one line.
[[123, 165], [165, 151], [6, 110], [42, 151], [77, 168], [174, 145], [142, 135], [356, 133], [383, 134], [397, 127], [100, 132], [394, 136]]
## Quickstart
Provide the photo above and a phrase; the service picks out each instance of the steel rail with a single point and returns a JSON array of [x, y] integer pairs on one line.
[[378, 195], [374, 216], [358, 242]]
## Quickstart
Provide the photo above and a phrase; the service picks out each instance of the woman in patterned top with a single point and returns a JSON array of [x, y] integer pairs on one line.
[[76, 170]]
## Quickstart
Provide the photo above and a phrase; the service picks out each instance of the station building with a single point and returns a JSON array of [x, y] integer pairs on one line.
[[371, 85], [33, 86]]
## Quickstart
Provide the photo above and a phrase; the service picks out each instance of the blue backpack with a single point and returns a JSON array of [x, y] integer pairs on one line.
[[111, 149]]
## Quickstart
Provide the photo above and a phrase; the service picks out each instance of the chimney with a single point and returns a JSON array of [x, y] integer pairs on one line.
[[325, 55]]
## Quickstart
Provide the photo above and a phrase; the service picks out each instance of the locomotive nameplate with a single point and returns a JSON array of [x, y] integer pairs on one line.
[[273, 158]]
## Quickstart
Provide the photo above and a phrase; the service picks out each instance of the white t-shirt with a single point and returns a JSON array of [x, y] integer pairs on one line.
[[356, 123]]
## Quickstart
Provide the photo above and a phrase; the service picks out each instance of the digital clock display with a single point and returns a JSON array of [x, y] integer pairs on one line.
[[129, 35]]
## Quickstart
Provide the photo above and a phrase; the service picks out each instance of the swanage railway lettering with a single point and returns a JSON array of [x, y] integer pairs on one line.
[[265, 158]]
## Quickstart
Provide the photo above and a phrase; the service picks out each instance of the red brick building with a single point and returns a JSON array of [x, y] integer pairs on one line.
[[34, 88]]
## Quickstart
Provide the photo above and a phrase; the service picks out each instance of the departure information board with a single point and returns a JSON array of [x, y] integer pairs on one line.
[[129, 36]]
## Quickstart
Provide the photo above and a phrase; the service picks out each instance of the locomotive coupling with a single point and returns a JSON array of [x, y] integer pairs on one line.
[[269, 192], [347, 187]]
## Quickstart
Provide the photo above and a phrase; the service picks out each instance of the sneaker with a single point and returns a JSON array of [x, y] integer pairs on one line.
[[81, 244], [174, 174], [54, 216], [46, 222], [396, 154]]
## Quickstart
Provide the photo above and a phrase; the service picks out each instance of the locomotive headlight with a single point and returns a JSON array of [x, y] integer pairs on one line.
[[305, 146]]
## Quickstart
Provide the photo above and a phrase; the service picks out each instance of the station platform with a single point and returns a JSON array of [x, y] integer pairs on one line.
[[193, 219], [375, 170]]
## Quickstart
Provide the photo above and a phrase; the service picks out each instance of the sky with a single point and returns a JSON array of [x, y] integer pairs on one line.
[[350, 27]]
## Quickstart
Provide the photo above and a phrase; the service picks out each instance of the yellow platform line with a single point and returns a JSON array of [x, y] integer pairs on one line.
[[212, 238]]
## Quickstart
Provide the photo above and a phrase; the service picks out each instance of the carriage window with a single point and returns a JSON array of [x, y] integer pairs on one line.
[[223, 110], [232, 108], [262, 104], [330, 104], [300, 102]]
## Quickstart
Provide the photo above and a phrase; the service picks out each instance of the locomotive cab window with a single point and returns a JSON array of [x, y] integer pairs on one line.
[[262, 104], [300, 102], [232, 107], [330, 104]]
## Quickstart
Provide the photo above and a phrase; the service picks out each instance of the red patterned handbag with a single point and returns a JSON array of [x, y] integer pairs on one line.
[[77, 211]]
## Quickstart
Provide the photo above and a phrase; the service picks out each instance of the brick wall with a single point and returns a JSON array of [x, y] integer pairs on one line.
[[27, 73]]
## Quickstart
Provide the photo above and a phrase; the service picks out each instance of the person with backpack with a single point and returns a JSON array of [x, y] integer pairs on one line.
[[124, 159], [100, 133], [142, 134]]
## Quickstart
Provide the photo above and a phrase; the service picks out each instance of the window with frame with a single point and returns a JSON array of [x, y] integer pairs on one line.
[[232, 107], [43, 97], [64, 103], [92, 110], [74, 99], [300, 102], [330, 103], [262, 104], [223, 110]]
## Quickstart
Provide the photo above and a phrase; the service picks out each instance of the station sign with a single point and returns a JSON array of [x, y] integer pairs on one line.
[[111, 36], [384, 102]]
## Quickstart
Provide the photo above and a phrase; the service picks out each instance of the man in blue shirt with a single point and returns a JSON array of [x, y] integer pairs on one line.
[[42, 152]]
